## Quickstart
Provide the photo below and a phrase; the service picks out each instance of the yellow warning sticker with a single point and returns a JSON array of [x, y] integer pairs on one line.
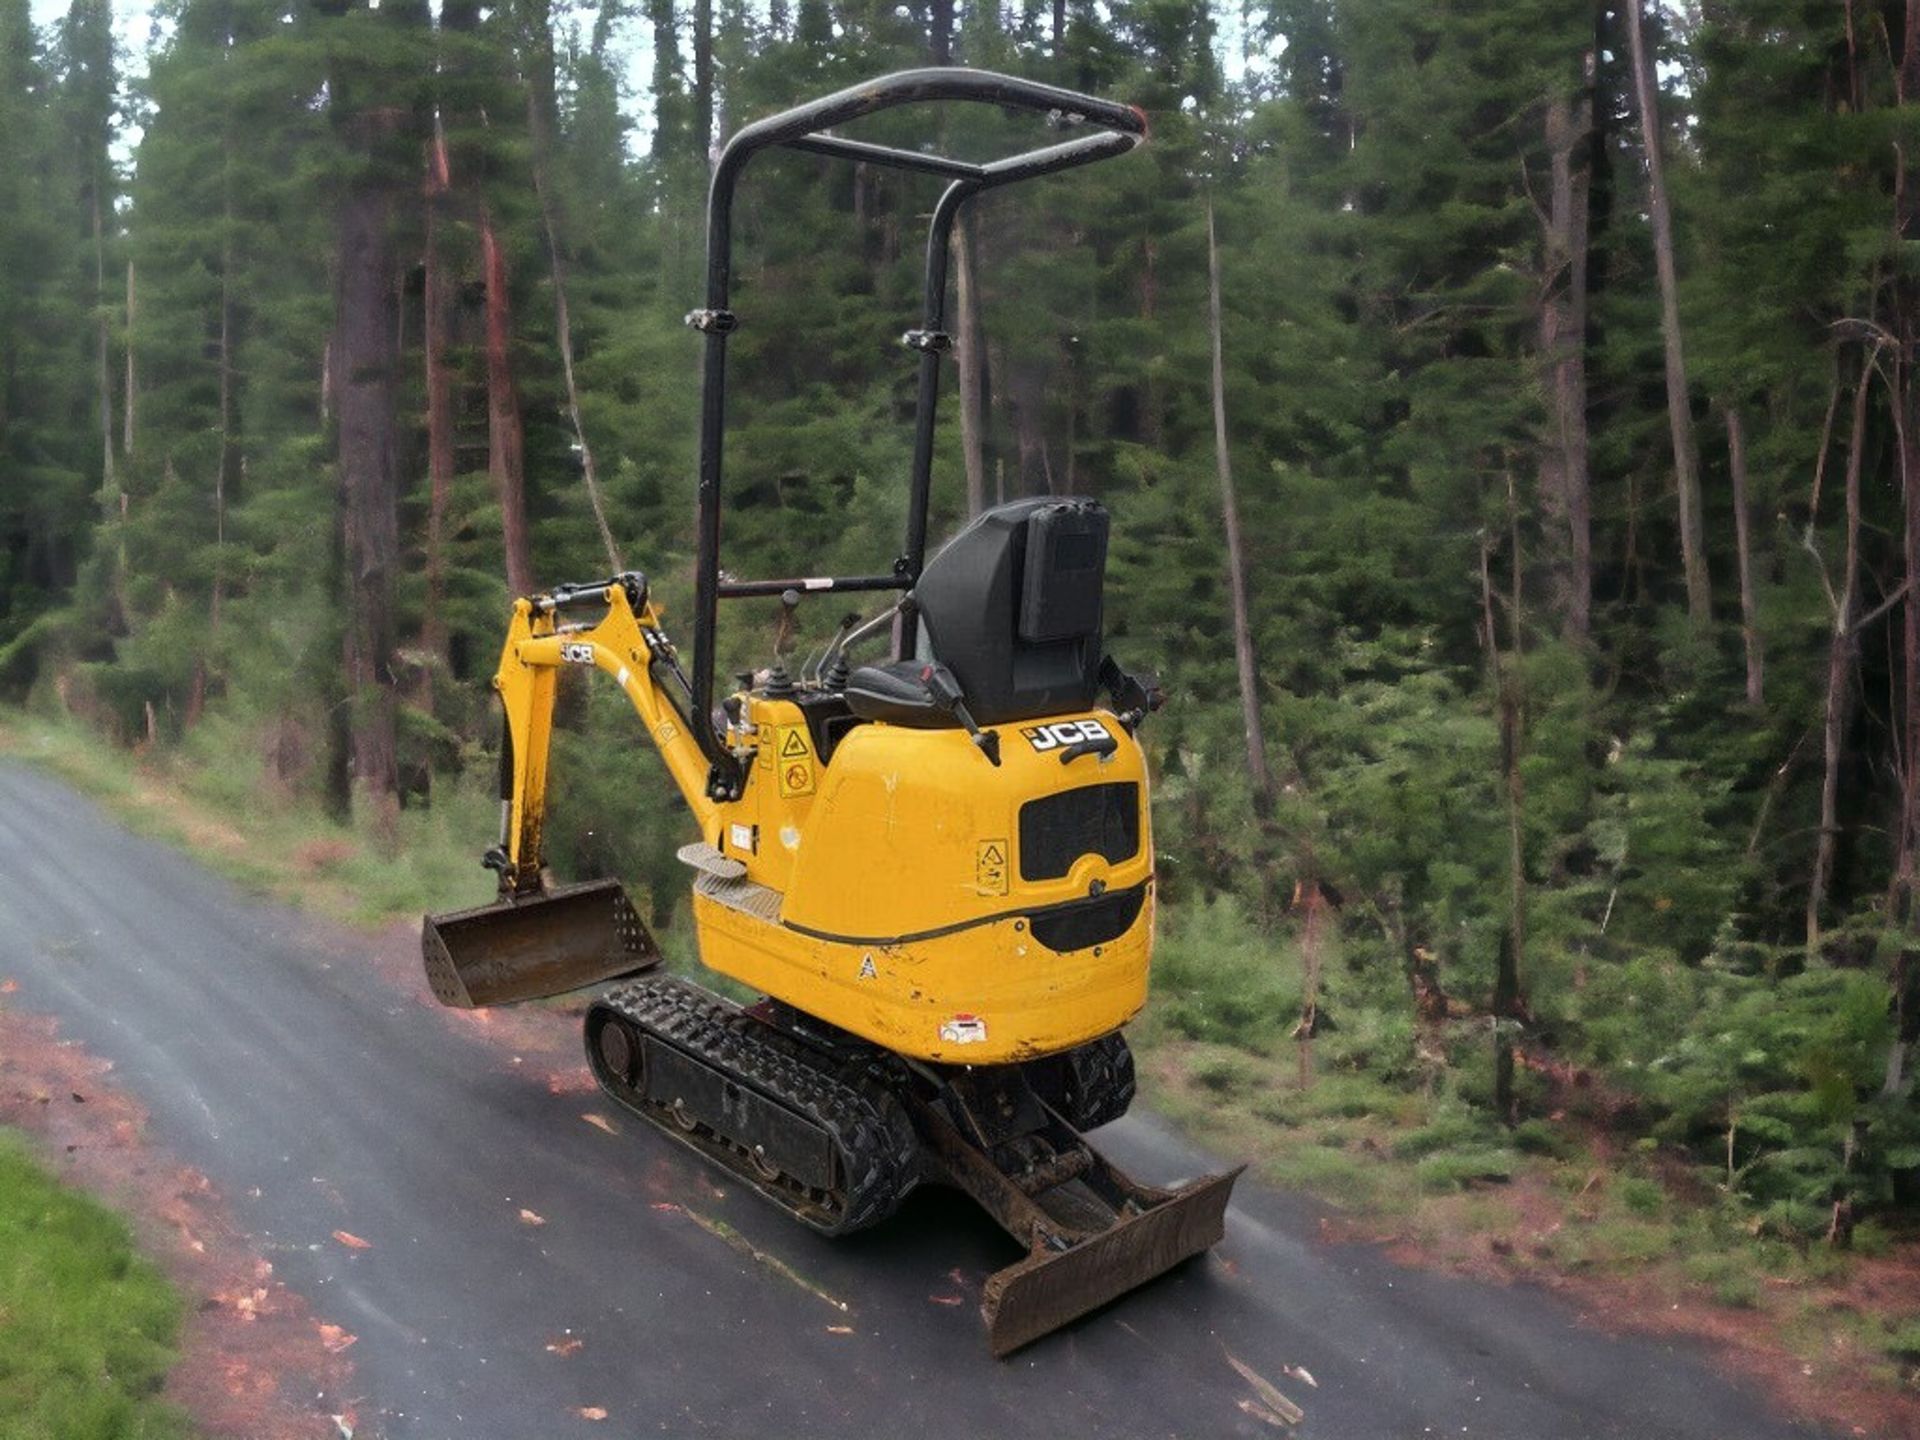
[[795, 763], [990, 868]]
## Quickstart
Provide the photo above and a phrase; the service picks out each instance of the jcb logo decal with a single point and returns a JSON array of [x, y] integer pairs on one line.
[[577, 654], [1064, 732]]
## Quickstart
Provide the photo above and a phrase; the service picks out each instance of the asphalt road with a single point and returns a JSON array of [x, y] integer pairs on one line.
[[282, 1057]]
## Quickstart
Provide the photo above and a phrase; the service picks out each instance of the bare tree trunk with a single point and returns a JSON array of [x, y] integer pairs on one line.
[[1026, 403], [1152, 422], [540, 126], [971, 362], [104, 331], [113, 500], [1906, 419], [506, 441], [127, 404], [1259, 776], [364, 364], [1565, 484], [940, 32], [703, 80], [1743, 543], [1686, 459], [440, 458], [1841, 655], [1903, 969], [1510, 960]]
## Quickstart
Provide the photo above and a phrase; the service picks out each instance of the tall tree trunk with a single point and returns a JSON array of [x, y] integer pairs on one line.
[[703, 80], [365, 360], [1259, 775], [440, 439], [104, 334], [971, 363], [113, 500], [1903, 972], [666, 78], [940, 32], [1564, 469], [540, 119], [1743, 544], [1686, 459], [1152, 422], [1842, 650], [506, 441], [127, 404]]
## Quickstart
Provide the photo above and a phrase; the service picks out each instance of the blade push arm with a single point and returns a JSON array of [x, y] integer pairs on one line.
[[624, 640]]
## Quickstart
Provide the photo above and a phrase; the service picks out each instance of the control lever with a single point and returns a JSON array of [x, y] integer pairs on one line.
[[945, 691]]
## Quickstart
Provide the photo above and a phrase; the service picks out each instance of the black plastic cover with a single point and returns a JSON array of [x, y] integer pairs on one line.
[[1066, 561]]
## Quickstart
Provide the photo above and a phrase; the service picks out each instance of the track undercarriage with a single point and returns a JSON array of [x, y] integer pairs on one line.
[[837, 1133]]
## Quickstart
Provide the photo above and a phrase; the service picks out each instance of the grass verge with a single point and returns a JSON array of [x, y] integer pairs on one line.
[[86, 1325]]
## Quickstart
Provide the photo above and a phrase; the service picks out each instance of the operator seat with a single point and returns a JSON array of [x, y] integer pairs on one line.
[[1012, 607]]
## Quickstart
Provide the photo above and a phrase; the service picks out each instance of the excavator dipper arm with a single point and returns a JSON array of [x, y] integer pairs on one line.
[[539, 938]]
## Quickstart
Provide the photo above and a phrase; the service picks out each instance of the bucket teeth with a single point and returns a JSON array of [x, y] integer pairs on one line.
[[535, 946]]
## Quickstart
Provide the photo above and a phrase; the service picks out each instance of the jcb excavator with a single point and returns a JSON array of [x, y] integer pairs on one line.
[[937, 869]]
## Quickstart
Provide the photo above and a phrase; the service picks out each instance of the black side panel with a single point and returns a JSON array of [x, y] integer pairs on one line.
[[1057, 830], [1096, 922]]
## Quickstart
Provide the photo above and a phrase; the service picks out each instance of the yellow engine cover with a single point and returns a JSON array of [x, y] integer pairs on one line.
[[916, 895]]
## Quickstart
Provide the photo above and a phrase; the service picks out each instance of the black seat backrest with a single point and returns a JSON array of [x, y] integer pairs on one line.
[[1012, 605]]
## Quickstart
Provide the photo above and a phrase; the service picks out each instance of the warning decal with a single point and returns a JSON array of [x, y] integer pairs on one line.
[[990, 868], [795, 763]]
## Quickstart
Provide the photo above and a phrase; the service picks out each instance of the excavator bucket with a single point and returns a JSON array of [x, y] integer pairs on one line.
[[535, 946], [1052, 1288]]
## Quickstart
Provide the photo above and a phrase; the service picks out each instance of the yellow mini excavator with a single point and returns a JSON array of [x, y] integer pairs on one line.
[[937, 868]]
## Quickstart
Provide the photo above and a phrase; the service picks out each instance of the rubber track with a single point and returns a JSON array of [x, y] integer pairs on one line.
[[876, 1146], [1090, 1086]]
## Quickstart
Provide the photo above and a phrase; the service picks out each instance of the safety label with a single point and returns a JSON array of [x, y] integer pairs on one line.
[[990, 868], [963, 1030], [795, 762]]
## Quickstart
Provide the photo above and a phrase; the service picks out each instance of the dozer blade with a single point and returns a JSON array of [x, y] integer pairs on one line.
[[1051, 1288], [536, 946]]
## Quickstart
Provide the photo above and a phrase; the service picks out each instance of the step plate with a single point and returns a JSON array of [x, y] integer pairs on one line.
[[1053, 1288]]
